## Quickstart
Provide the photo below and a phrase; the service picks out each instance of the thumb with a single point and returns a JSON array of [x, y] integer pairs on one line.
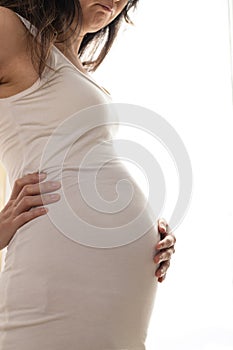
[[162, 223]]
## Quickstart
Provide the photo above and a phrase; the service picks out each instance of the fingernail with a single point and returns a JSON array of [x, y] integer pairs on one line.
[[162, 272], [55, 196], [55, 184], [42, 176]]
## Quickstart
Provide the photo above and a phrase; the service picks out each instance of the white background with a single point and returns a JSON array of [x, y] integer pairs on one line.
[[176, 61]]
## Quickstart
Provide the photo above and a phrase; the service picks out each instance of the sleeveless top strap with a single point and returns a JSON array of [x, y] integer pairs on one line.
[[28, 25]]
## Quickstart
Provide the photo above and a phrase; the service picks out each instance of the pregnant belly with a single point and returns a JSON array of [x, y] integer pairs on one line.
[[49, 278], [50, 275]]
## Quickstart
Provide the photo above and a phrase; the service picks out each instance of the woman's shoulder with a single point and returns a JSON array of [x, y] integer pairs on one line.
[[16, 69], [12, 31], [13, 41]]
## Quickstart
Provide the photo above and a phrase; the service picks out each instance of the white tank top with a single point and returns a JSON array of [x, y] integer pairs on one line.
[[44, 105], [57, 291]]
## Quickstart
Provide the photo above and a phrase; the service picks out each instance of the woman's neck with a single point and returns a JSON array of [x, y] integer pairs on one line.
[[72, 56]]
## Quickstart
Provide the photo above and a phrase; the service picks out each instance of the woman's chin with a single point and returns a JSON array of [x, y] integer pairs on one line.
[[97, 25]]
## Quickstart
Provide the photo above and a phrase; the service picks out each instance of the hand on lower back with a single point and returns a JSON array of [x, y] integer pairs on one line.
[[27, 195]]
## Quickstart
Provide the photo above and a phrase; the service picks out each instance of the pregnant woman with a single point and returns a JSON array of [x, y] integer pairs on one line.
[[56, 290]]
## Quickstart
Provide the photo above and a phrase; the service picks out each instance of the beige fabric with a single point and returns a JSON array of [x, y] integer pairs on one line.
[[56, 293], [2, 196]]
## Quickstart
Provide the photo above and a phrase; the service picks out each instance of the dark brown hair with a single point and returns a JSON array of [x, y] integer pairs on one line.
[[54, 17]]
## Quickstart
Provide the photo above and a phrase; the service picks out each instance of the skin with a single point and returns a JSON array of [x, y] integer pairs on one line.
[[95, 17], [165, 248], [27, 195]]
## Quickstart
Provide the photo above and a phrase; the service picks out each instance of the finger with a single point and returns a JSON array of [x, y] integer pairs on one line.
[[161, 279], [21, 182], [162, 224], [163, 267], [29, 202], [164, 255], [167, 242], [28, 216], [39, 188]]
